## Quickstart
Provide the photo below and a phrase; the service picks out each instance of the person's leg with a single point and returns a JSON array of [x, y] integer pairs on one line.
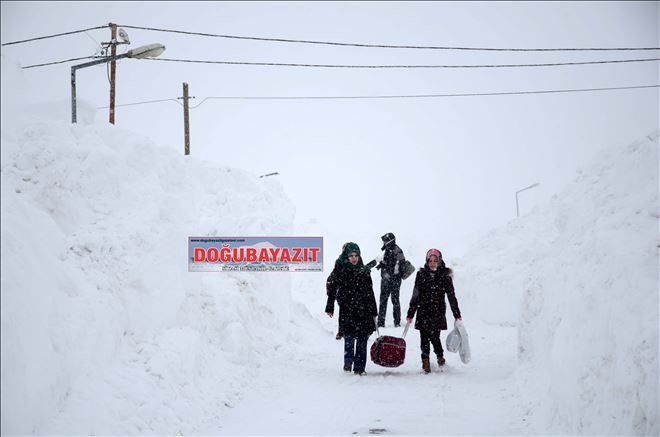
[[426, 349], [396, 304], [384, 296], [437, 347], [349, 355], [340, 328], [424, 343], [360, 354]]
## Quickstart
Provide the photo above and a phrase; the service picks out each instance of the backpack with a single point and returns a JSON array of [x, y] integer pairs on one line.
[[408, 269]]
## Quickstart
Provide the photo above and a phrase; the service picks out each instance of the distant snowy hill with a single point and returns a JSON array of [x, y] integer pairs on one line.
[[579, 278]]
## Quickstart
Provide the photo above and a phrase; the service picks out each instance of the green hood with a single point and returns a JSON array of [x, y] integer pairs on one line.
[[343, 258]]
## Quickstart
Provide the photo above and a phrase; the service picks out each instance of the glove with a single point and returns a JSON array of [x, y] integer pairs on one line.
[[371, 264], [330, 314]]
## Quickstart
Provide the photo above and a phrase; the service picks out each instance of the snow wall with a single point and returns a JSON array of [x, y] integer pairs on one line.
[[104, 331], [579, 278]]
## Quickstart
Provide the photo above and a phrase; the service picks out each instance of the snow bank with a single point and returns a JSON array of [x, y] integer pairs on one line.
[[579, 278], [104, 331]]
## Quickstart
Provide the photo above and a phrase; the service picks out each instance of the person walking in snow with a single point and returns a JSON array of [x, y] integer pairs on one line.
[[339, 264], [351, 286], [432, 283], [391, 272]]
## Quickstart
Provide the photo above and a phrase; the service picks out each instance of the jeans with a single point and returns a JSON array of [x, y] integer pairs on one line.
[[355, 351], [432, 337], [389, 287]]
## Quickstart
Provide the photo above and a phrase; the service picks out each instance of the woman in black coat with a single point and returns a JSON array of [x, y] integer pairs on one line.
[[432, 283], [351, 286]]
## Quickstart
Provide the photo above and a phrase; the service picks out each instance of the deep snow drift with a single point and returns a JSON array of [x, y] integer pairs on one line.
[[103, 329], [579, 278]]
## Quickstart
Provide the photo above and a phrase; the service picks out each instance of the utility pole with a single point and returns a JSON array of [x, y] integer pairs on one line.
[[186, 119], [113, 71]]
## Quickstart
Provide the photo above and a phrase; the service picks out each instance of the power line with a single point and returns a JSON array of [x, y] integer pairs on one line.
[[98, 46], [60, 62], [387, 46], [53, 36], [276, 64], [428, 95], [142, 103], [414, 96]]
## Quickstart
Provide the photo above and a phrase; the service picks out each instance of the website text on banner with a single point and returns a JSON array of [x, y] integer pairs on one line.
[[255, 254]]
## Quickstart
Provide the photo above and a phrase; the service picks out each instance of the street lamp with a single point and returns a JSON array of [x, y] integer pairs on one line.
[[521, 190], [148, 51]]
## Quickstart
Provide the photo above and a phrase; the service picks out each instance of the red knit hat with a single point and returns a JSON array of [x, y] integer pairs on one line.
[[432, 252]]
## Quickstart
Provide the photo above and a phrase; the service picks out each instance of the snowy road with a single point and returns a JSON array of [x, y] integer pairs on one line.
[[313, 396]]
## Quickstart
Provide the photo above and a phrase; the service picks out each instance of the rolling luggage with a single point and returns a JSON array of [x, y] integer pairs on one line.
[[388, 351]]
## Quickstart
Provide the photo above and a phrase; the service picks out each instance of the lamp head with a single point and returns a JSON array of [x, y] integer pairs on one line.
[[124, 36], [148, 51]]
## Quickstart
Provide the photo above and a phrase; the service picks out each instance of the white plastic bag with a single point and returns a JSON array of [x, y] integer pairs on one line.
[[453, 341], [464, 349]]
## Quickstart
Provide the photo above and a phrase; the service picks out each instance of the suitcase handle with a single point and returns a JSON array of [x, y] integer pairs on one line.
[[405, 330]]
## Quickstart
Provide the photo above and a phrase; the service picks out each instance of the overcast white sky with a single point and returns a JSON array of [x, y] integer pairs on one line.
[[436, 172]]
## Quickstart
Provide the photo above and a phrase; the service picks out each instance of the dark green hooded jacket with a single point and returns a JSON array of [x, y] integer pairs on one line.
[[352, 288]]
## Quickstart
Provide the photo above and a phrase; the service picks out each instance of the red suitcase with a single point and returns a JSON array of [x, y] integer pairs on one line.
[[388, 351]]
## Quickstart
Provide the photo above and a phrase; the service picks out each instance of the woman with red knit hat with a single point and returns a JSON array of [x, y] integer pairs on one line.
[[432, 283]]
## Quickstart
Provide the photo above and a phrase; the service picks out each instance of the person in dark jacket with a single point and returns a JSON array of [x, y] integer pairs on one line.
[[432, 283], [339, 264], [351, 286], [391, 271]]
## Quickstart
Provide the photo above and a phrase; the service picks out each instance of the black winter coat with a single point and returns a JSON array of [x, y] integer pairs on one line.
[[428, 299], [354, 292]]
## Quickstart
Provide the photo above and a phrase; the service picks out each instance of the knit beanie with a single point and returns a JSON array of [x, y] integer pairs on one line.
[[388, 239], [433, 252]]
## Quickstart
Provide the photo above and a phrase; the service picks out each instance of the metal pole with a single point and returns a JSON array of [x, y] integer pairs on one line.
[[73, 95], [521, 190], [186, 120], [113, 70], [73, 79]]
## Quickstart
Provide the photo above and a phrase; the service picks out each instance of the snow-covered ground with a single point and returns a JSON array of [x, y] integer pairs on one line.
[[311, 395], [104, 331]]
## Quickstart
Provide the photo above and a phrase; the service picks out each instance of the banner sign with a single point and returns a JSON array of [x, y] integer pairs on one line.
[[255, 254]]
